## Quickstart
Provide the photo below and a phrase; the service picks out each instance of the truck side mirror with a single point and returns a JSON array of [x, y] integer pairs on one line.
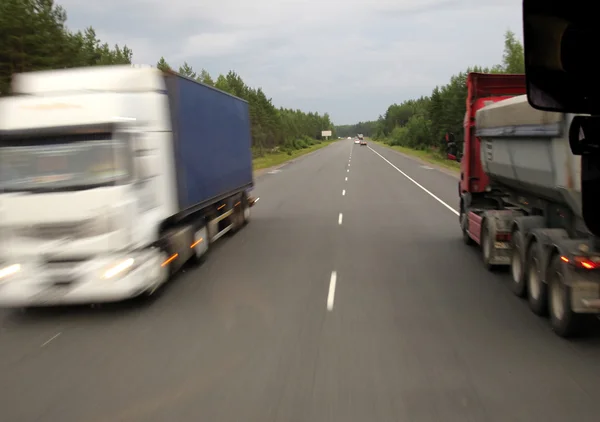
[[560, 41], [452, 151]]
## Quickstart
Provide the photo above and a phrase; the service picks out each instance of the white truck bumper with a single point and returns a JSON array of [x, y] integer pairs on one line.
[[31, 286]]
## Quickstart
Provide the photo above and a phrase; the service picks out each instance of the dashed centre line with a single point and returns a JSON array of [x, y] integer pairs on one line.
[[331, 294], [50, 339], [333, 278]]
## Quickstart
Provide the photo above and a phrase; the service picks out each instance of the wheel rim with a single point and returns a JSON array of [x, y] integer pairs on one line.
[[557, 295], [517, 266], [534, 280]]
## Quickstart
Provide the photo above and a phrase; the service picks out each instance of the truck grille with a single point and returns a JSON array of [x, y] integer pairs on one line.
[[64, 263], [51, 231], [62, 271]]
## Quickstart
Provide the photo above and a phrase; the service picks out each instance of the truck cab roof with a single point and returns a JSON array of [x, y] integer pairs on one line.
[[97, 78]]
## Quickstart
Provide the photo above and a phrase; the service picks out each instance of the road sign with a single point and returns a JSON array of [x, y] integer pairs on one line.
[[325, 133]]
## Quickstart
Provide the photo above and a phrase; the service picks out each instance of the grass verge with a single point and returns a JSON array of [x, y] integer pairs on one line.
[[432, 157], [274, 159]]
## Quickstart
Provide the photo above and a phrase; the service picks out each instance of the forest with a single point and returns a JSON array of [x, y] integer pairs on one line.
[[422, 123], [34, 36]]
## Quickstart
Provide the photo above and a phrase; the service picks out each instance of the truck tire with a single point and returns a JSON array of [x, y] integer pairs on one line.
[[486, 248], [563, 320], [165, 275], [201, 244], [537, 290], [246, 210], [241, 215], [518, 269], [464, 223], [237, 219]]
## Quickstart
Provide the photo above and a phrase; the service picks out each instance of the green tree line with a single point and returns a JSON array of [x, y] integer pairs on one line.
[[368, 129], [422, 123], [272, 128], [34, 36]]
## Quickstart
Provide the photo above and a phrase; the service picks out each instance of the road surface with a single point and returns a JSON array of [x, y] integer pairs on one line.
[[349, 297]]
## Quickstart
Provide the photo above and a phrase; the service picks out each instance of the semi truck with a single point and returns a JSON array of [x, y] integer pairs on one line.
[[520, 201], [112, 178]]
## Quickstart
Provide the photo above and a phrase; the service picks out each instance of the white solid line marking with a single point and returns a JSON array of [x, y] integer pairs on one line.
[[331, 295], [346, 179], [340, 218], [344, 192], [49, 340], [416, 183]]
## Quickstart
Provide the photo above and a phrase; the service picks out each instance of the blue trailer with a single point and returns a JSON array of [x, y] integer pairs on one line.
[[212, 142], [211, 147]]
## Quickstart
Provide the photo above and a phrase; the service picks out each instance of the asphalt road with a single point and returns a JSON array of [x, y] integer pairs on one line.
[[343, 300]]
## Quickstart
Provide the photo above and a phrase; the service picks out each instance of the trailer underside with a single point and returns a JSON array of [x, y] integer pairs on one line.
[[553, 264]]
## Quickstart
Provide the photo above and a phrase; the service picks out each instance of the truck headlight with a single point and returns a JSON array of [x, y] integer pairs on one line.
[[119, 269], [7, 271]]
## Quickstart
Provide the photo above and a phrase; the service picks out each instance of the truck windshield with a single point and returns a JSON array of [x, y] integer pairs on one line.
[[60, 166]]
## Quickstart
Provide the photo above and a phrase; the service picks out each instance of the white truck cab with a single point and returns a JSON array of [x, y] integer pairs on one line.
[[75, 200]]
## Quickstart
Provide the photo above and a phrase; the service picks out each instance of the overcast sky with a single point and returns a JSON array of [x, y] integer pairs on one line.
[[350, 58]]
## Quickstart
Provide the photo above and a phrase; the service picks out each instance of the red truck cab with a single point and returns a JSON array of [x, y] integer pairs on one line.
[[482, 89]]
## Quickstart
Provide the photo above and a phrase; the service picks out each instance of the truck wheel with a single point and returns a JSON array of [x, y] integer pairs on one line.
[[517, 265], [201, 244], [240, 215], [162, 275], [537, 290], [563, 320], [486, 248], [246, 210], [463, 226]]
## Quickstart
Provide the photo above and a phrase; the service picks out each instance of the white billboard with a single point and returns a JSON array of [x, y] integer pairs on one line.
[[325, 133]]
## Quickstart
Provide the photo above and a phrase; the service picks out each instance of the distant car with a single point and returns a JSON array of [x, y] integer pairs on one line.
[[349, 137], [363, 142], [356, 141]]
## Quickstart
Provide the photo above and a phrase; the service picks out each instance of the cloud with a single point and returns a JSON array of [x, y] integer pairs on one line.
[[351, 58], [217, 43]]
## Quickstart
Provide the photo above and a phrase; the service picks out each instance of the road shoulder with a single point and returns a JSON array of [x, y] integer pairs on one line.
[[455, 173], [261, 171]]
